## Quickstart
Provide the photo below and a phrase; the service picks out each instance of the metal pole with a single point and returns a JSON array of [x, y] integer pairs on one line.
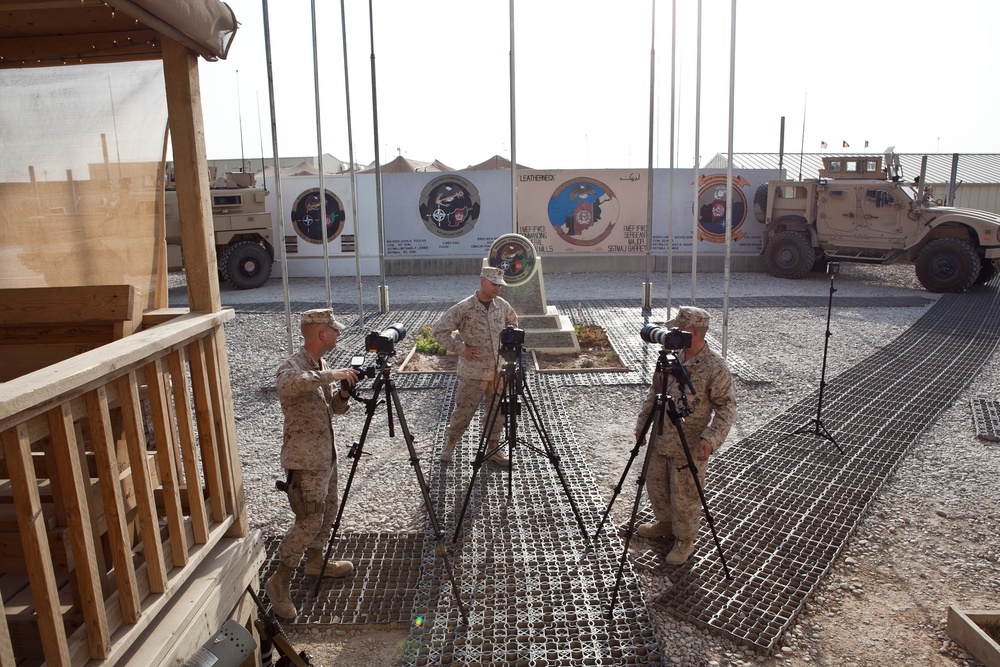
[[319, 150], [953, 179], [781, 147], [729, 182], [239, 113], [647, 287], [280, 241], [383, 290], [697, 148], [354, 181], [513, 130], [802, 147], [673, 125]]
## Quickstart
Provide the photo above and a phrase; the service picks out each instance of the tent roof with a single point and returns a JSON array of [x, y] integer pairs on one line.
[[56, 32], [402, 165], [496, 162]]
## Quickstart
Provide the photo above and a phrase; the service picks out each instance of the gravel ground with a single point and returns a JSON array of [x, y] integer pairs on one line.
[[931, 541]]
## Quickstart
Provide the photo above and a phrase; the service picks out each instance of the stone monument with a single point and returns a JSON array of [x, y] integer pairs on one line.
[[545, 330]]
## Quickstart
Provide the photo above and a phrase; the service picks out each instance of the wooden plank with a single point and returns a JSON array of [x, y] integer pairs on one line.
[[35, 393], [6, 648], [187, 133], [114, 509], [201, 390], [17, 451], [135, 440], [225, 429], [13, 558], [186, 438], [27, 306], [76, 505], [152, 318], [87, 336], [163, 432]]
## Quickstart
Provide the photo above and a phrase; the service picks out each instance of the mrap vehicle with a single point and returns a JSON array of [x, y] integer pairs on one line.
[[858, 211], [244, 235]]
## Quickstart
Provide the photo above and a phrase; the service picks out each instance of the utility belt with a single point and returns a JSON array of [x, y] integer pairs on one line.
[[294, 492]]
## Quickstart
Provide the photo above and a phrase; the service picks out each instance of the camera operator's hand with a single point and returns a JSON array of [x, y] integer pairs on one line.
[[704, 450], [348, 375], [638, 434], [470, 352]]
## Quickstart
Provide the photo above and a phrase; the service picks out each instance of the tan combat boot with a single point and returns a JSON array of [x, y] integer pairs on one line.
[[334, 568], [497, 456], [681, 552], [448, 450], [277, 590], [655, 529]]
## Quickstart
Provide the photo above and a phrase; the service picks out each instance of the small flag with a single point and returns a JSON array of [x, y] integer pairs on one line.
[[866, 143], [822, 144], [846, 145]]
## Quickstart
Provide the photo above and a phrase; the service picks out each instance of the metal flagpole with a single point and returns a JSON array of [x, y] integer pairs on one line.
[[673, 125], [697, 148], [319, 150], [647, 287], [280, 241], [513, 131], [729, 181], [354, 180], [383, 289]]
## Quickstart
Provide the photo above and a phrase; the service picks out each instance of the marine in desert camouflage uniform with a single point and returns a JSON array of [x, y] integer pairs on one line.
[[308, 454], [669, 483], [471, 329]]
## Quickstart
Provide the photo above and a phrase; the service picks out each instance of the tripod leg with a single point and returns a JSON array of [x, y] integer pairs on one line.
[[424, 489], [481, 454], [355, 454]]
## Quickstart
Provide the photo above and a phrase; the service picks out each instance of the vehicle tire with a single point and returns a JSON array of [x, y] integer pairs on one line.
[[947, 265], [246, 265], [789, 255], [760, 203], [986, 272]]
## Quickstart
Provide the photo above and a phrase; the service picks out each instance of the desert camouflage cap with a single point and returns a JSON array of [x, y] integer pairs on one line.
[[322, 316], [689, 317], [493, 275]]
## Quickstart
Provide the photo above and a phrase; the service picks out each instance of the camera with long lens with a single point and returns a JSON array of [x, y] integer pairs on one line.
[[358, 364], [511, 340], [672, 338], [383, 343]]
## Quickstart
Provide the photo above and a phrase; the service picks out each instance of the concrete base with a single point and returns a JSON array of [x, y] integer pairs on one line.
[[557, 335], [966, 628]]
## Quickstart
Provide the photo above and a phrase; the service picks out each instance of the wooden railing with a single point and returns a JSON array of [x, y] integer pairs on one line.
[[119, 477]]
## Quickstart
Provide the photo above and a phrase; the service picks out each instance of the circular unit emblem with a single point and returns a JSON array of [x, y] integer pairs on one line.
[[583, 211], [449, 206], [306, 215], [515, 256], [712, 208]]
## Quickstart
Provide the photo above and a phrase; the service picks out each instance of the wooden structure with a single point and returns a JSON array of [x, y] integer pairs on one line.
[[123, 527]]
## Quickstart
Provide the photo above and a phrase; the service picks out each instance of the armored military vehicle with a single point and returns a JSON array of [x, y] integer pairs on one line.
[[244, 237], [859, 211]]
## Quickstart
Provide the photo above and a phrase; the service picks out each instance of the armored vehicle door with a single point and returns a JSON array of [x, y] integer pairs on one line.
[[880, 209], [837, 214]]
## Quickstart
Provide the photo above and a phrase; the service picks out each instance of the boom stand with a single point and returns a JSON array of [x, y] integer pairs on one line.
[[666, 365], [514, 386], [817, 427], [384, 382]]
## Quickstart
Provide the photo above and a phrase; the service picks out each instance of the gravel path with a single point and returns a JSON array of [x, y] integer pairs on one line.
[[931, 541]]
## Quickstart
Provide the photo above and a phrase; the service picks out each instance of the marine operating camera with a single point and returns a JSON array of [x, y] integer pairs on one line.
[[672, 338], [511, 340], [383, 343]]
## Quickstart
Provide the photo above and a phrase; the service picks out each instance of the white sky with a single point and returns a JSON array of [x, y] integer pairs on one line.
[[917, 75]]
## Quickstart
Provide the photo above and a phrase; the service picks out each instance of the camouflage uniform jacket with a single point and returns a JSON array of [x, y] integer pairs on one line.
[[309, 403], [713, 405], [469, 323]]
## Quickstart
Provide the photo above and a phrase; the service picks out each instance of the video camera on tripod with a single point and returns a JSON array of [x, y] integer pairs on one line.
[[383, 345], [671, 340], [511, 342]]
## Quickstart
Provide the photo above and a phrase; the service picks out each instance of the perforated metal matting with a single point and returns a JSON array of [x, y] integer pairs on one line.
[[986, 416], [785, 502]]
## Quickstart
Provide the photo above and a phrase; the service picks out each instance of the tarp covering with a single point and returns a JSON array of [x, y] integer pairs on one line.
[[494, 163], [402, 165]]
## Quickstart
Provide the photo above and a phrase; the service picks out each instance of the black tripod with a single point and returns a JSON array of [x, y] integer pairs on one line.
[[817, 427], [383, 381], [666, 365], [514, 385]]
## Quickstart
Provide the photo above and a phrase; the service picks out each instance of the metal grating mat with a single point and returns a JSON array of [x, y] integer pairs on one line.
[[785, 505], [986, 416]]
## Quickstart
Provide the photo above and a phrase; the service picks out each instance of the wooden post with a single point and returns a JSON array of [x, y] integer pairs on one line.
[[194, 202]]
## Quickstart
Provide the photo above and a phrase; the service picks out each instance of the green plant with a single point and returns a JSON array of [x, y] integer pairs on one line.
[[426, 344]]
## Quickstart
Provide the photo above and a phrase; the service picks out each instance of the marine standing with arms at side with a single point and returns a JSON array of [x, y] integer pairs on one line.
[[669, 483], [308, 454], [471, 329]]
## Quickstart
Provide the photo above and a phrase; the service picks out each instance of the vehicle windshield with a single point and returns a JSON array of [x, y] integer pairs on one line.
[[910, 191]]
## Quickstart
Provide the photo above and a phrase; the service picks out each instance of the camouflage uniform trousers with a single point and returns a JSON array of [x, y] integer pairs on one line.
[[468, 396], [673, 494], [313, 497]]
